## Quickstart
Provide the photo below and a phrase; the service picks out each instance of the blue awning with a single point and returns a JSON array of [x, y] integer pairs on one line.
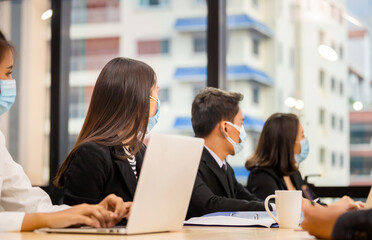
[[235, 72], [241, 174], [183, 124], [240, 21], [250, 123]]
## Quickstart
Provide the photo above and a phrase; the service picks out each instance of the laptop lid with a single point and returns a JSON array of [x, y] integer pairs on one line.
[[165, 184], [369, 200]]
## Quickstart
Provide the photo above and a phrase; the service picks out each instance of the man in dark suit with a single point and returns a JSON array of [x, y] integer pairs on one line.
[[217, 117]]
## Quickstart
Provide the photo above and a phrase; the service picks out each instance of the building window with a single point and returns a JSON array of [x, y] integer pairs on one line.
[[153, 47], [333, 120], [341, 52], [333, 84], [322, 155], [255, 3], [93, 53], [256, 94], [153, 3], [196, 88], [164, 95], [255, 46], [341, 124], [200, 43], [333, 159], [341, 160], [321, 37], [321, 78], [321, 116], [341, 88]]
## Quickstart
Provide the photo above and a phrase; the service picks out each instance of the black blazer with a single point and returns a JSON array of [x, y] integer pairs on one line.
[[263, 181], [95, 172], [354, 225], [217, 190]]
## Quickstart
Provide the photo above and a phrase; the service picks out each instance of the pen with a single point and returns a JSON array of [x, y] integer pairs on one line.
[[306, 191]]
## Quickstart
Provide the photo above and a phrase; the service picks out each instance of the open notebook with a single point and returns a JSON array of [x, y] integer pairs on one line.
[[234, 219]]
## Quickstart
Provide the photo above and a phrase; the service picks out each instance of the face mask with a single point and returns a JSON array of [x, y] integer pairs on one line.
[[8, 94], [242, 135], [154, 120], [304, 151]]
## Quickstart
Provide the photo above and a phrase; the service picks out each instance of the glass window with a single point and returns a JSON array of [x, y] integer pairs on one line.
[[200, 43], [322, 155], [321, 78], [333, 84], [153, 47], [321, 117], [341, 88], [333, 159], [333, 120], [164, 95], [256, 94], [94, 11], [153, 3], [256, 46]]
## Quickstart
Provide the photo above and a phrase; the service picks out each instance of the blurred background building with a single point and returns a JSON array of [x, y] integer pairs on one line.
[[309, 57]]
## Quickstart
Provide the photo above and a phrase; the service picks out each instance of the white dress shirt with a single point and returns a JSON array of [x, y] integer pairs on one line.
[[221, 163], [17, 196]]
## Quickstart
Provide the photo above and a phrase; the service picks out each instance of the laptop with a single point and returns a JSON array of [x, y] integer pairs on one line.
[[369, 200], [164, 188]]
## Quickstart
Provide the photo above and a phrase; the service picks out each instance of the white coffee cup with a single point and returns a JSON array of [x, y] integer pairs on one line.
[[288, 208]]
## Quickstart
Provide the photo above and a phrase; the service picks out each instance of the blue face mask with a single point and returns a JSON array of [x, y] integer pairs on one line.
[[154, 120], [8, 94], [242, 136], [305, 148]]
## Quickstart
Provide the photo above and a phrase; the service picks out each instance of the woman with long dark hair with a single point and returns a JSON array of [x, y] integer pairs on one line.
[[274, 164], [109, 151], [24, 207]]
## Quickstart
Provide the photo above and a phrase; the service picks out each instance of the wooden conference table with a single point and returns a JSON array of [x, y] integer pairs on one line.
[[191, 233]]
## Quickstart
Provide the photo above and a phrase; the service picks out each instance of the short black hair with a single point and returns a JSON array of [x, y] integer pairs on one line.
[[211, 106]]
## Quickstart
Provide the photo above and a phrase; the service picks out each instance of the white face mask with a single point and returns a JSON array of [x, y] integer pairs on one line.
[[242, 136]]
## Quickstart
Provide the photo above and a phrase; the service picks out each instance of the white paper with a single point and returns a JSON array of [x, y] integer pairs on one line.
[[228, 221]]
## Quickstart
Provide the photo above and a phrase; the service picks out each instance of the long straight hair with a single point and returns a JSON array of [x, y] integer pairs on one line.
[[275, 148], [119, 109]]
